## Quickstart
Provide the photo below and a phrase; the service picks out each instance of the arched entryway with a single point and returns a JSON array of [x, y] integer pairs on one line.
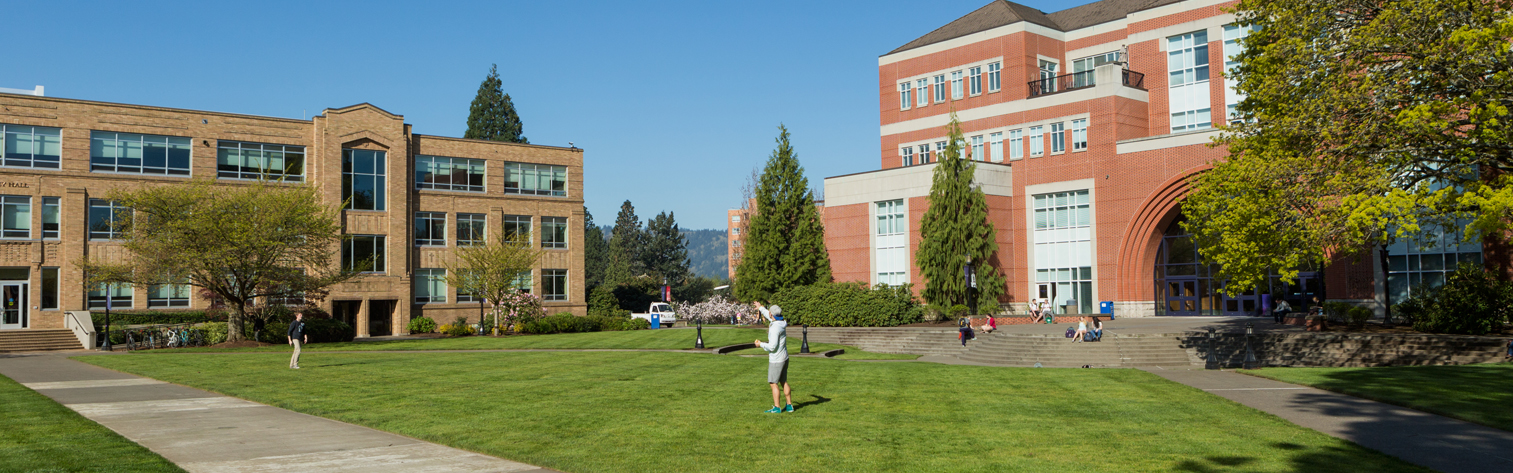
[[1186, 284]]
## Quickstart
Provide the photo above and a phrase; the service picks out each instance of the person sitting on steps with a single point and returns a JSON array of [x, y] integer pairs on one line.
[[1081, 330], [1097, 329], [989, 325]]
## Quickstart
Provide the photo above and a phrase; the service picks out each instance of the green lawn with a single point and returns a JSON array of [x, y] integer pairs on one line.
[[659, 411], [852, 353], [40, 435], [1473, 393]]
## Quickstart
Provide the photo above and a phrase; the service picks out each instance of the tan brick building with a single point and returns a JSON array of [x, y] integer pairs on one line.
[[414, 198]]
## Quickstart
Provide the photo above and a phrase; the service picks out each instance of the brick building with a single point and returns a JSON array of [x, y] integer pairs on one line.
[[414, 198], [1086, 124]]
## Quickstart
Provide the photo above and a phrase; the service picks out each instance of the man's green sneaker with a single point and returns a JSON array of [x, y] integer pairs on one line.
[[774, 410], [788, 409]]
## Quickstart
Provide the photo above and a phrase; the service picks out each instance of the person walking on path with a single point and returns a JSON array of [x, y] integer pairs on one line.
[[777, 355], [297, 338]]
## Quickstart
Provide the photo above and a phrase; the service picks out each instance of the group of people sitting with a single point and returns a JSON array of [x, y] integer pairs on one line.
[[1086, 331], [966, 331]]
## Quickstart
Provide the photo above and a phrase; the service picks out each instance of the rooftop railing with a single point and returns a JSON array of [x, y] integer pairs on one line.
[[1080, 80]]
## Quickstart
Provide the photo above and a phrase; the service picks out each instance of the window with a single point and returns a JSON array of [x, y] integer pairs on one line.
[[940, 88], [891, 252], [956, 85], [890, 217], [456, 174], [31, 146], [924, 153], [1232, 49], [1072, 284], [17, 210], [363, 253], [363, 179], [535, 179], [238, 160], [975, 80], [922, 92], [905, 98], [1047, 73], [49, 288], [994, 76], [995, 150], [523, 281], [50, 210], [518, 226], [1058, 137], [554, 284], [1016, 144], [1422, 260], [554, 232], [1187, 63], [430, 286], [1079, 135], [103, 215], [464, 297], [138, 154], [1063, 210], [908, 154], [117, 295], [470, 229], [977, 149], [1037, 142], [430, 229], [168, 295], [1092, 62], [940, 146]]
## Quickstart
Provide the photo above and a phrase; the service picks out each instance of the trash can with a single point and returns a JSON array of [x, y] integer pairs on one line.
[[1072, 307], [656, 321], [1106, 308]]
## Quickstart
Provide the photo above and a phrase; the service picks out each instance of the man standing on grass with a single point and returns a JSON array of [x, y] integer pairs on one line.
[[297, 337], [777, 355]]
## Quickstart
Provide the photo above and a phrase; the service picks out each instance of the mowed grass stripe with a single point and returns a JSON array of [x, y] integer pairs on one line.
[[39, 435], [653, 411]]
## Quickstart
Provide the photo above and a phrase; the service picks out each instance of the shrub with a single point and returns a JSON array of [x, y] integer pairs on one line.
[[1338, 312], [422, 325], [959, 310], [215, 332], [1472, 301], [603, 303], [717, 309], [562, 322], [849, 305], [614, 324], [934, 312], [1359, 315], [154, 317], [456, 330]]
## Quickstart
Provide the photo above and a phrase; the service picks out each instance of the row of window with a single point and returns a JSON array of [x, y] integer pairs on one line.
[[1063, 210], [1017, 141], [431, 229], [119, 296], [961, 83], [431, 286], [16, 216]]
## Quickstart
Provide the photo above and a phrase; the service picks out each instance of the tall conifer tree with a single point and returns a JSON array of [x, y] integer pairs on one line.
[[954, 228], [595, 254], [492, 116], [625, 243], [665, 255], [785, 241]]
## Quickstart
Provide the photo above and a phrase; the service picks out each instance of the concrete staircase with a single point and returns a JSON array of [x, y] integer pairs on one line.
[[926, 341], [1115, 351], [1346, 349], [38, 340]]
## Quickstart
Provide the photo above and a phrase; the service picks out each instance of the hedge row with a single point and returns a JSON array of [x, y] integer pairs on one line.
[[568, 323], [849, 305], [153, 317]]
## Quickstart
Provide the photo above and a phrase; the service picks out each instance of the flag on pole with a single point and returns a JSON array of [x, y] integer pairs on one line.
[[666, 293]]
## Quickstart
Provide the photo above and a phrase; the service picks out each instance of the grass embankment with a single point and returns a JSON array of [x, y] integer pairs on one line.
[[658, 411], [39, 435], [1473, 393]]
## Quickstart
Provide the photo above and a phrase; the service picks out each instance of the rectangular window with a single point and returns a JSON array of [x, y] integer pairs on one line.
[[940, 88], [995, 150], [922, 92], [1233, 34], [904, 96], [17, 210], [975, 80], [31, 146], [908, 154], [1016, 144], [1063, 210], [470, 229], [430, 286], [430, 229], [49, 288], [523, 281], [139, 154], [1092, 62], [940, 146], [994, 76], [890, 252], [50, 219], [464, 297], [168, 295], [535, 179], [890, 217], [518, 226], [103, 215], [1047, 72], [1058, 137], [454, 174], [364, 253], [1037, 140], [554, 232], [956, 85], [554, 284], [363, 174], [1079, 135], [117, 295], [1074, 283], [924, 153], [238, 160], [977, 149], [1187, 66]]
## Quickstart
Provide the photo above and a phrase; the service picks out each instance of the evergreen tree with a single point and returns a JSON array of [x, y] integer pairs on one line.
[[955, 228], [666, 253], [785, 241], [492, 116], [625, 243], [595, 254]]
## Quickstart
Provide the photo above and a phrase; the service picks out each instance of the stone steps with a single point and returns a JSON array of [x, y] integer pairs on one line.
[[38, 340]]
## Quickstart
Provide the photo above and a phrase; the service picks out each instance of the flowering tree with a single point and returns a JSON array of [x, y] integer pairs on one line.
[[490, 271], [517, 308], [716, 309]]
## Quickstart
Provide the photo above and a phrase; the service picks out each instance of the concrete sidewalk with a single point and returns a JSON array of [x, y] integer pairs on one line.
[[207, 432], [1434, 441]]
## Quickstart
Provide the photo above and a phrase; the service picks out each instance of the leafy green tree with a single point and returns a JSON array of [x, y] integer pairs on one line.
[[241, 243], [489, 271], [665, 255], [955, 229], [492, 116], [595, 254], [625, 242], [1362, 122], [785, 241]]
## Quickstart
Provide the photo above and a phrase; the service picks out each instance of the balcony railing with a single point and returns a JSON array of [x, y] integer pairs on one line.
[[1080, 80]]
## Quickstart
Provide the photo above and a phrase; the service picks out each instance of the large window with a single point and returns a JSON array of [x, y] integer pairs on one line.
[[362, 179], [471, 229], [139, 154], [922, 92], [430, 229], [891, 252], [17, 211], [238, 160], [103, 215], [535, 179], [1079, 135], [995, 147], [956, 85], [430, 286], [554, 284], [1063, 210], [1037, 140], [1071, 284], [1187, 65], [457, 174], [168, 295], [908, 154], [905, 96], [924, 153], [363, 253], [517, 227], [994, 77], [554, 232], [1423, 260], [974, 80], [523, 281], [940, 88], [31, 146], [1016, 144], [1092, 62], [50, 219], [118, 296], [49, 288], [1058, 137], [1232, 49]]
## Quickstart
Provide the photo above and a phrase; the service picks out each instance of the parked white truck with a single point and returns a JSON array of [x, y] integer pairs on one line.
[[662, 310]]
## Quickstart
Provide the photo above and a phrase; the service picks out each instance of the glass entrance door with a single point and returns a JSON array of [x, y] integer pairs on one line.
[[13, 314]]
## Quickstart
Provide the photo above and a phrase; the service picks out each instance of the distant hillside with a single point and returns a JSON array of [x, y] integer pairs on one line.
[[707, 252]]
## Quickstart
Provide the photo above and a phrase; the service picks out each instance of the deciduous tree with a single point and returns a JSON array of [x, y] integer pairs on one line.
[[489, 271]]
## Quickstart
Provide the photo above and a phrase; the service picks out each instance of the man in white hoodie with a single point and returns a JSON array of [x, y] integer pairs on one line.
[[777, 355]]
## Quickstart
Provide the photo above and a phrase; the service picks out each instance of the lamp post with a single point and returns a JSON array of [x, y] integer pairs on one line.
[[108, 290], [699, 329], [1213, 359], [804, 348], [1250, 354]]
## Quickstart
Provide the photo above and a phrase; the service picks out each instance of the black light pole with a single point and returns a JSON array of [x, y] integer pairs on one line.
[[804, 348], [1213, 359], [1250, 355], [699, 343], [1386, 290], [108, 346]]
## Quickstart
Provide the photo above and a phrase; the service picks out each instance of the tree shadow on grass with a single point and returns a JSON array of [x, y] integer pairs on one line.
[[817, 400]]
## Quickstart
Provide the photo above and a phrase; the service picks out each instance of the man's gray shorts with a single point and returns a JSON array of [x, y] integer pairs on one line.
[[777, 372]]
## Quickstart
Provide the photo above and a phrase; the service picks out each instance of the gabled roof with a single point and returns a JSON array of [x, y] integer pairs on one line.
[[1003, 12]]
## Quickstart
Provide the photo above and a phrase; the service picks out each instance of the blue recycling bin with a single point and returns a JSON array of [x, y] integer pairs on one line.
[[1106, 308], [656, 321]]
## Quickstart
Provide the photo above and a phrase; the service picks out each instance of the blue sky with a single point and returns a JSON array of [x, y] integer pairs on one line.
[[674, 102]]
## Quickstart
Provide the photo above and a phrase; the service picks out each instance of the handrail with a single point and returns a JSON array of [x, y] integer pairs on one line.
[[1080, 80], [85, 332]]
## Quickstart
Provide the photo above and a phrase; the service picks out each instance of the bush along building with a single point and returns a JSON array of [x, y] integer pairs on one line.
[[411, 200]]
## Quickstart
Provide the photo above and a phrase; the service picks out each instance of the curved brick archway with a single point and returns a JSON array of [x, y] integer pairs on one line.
[[1142, 238]]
